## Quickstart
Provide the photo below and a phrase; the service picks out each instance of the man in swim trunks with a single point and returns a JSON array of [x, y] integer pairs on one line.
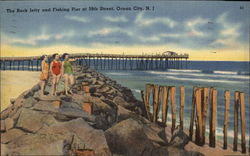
[[56, 70], [67, 72]]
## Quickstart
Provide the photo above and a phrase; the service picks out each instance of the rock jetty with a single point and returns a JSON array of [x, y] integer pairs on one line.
[[100, 118]]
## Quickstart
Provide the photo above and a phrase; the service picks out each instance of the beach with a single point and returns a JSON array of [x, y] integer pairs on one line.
[[13, 83]]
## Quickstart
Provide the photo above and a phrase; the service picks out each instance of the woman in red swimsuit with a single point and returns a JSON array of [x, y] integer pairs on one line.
[[55, 69]]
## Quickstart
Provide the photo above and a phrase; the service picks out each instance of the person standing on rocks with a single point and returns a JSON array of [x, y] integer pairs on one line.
[[56, 71], [45, 73], [67, 71]]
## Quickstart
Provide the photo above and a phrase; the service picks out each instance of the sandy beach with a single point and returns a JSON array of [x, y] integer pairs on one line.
[[13, 83]]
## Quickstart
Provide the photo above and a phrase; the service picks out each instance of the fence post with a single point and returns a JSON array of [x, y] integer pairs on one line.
[[192, 115], [182, 103], [212, 140], [243, 123], [227, 103], [156, 102], [198, 138], [173, 106], [204, 109], [165, 104], [147, 96], [236, 111]]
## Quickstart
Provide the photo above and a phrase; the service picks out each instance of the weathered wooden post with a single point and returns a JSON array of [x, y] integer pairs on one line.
[[173, 106], [191, 127], [182, 103], [227, 103], [149, 88], [236, 111], [155, 102], [198, 139], [165, 104], [160, 100], [204, 109], [243, 122], [212, 140]]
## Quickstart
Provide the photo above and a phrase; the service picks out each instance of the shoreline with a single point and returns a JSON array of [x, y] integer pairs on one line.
[[139, 110]]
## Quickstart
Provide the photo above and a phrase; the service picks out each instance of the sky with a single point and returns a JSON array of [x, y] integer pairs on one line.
[[206, 30]]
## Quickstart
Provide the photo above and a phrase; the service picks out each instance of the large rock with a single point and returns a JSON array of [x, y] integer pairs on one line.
[[37, 144], [179, 139], [32, 121], [9, 123], [128, 138], [29, 102], [120, 101], [45, 106], [90, 137], [11, 135]]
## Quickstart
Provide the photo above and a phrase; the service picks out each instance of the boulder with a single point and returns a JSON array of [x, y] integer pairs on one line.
[[29, 102], [35, 88], [120, 101], [11, 135], [32, 121], [45, 106], [90, 137], [74, 113], [9, 123], [128, 138], [179, 138]]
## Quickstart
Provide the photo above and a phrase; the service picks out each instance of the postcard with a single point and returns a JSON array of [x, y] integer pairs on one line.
[[127, 78]]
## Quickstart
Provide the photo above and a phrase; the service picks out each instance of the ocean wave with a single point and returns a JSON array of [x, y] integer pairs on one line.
[[118, 74], [226, 72], [185, 70], [136, 90], [199, 74], [201, 80]]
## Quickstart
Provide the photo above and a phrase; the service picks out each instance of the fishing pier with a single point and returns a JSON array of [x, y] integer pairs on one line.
[[166, 60]]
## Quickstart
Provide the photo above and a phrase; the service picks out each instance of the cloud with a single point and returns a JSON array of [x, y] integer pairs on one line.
[[115, 19], [107, 31], [78, 18], [229, 32], [32, 39], [65, 34], [143, 21], [192, 27]]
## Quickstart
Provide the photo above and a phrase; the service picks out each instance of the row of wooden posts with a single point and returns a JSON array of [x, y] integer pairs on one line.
[[201, 99]]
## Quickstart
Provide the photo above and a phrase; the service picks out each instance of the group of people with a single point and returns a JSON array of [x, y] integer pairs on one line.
[[57, 70]]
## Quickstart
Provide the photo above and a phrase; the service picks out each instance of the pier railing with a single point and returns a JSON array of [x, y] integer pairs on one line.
[[204, 101], [104, 62]]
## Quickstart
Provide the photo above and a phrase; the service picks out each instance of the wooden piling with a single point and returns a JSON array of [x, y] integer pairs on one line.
[[212, 138], [191, 127], [204, 113], [198, 138], [236, 111], [227, 103], [165, 104], [155, 102], [149, 88], [173, 106], [243, 122], [182, 103]]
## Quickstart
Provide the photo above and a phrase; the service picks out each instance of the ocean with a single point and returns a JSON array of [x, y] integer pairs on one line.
[[222, 75]]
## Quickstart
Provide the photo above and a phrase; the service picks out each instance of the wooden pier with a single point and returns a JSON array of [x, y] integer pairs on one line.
[[104, 62]]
